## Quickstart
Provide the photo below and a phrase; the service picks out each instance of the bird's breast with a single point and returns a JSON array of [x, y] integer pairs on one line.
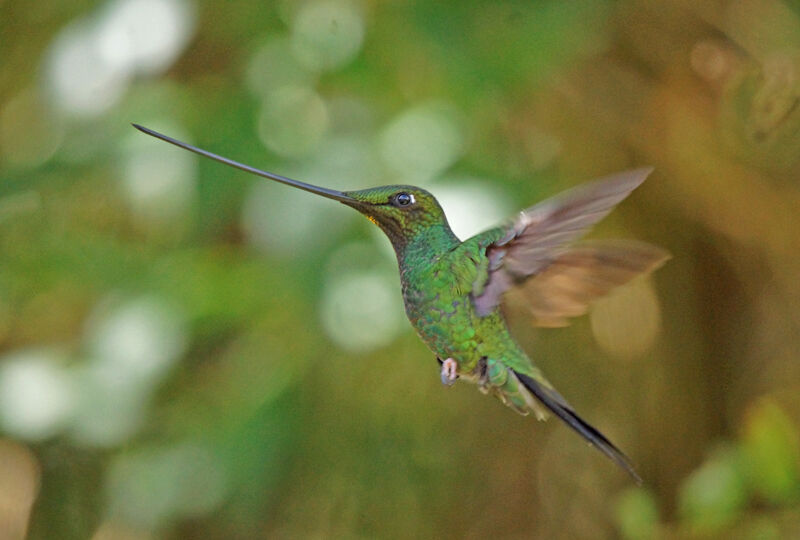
[[443, 319]]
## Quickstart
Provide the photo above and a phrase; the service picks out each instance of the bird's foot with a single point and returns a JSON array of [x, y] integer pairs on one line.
[[449, 372]]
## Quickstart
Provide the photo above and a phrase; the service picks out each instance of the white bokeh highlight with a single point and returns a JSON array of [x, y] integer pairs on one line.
[[362, 310], [91, 61], [81, 82], [422, 142], [139, 340], [293, 121], [472, 205], [131, 346], [144, 36], [37, 395], [327, 34]]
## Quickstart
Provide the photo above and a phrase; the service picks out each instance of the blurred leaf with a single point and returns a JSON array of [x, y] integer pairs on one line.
[[714, 495], [772, 449], [637, 514]]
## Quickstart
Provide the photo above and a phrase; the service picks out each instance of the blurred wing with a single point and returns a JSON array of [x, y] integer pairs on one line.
[[541, 233], [583, 273]]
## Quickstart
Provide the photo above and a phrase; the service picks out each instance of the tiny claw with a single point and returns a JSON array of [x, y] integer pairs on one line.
[[449, 372]]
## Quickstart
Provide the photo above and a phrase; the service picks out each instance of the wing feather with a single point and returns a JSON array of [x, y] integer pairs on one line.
[[542, 233], [582, 274]]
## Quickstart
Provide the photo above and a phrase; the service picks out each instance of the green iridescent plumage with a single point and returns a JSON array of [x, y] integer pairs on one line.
[[454, 291]]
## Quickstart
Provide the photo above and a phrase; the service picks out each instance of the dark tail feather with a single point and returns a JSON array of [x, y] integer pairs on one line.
[[553, 401]]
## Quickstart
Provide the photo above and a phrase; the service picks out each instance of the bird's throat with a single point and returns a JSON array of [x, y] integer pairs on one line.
[[424, 245]]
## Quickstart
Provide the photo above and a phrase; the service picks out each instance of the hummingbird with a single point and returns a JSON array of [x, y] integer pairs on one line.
[[454, 291]]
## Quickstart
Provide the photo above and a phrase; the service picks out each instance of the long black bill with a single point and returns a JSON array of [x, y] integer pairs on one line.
[[325, 192]]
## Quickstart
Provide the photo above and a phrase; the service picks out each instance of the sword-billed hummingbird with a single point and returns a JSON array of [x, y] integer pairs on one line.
[[453, 291]]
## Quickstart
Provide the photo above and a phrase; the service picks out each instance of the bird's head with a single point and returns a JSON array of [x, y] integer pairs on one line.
[[400, 211]]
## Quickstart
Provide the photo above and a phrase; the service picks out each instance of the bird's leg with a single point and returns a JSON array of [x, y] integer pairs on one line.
[[483, 377], [449, 372]]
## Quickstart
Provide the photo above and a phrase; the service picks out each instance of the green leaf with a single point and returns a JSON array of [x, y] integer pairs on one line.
[[713, 496], [636, 514], [772, 452]]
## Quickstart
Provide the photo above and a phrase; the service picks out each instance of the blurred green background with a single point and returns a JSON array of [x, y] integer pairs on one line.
[[190, 352]]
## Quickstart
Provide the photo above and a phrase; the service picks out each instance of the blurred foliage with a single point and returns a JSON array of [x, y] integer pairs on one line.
[[189, 352]]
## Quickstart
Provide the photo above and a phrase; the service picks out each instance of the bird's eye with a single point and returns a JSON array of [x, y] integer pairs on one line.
[[403, 199]]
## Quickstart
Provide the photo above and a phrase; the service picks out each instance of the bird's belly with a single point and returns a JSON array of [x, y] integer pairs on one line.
[[448, 326]]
